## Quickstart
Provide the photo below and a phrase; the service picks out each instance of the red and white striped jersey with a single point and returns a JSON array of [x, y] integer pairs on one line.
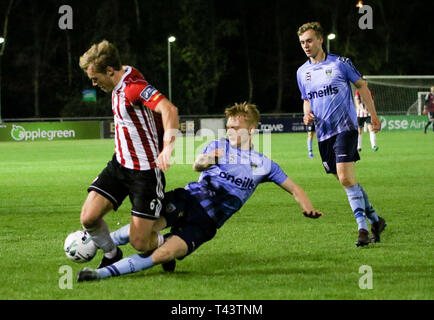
[[138, 129], [362, 109], [429, 102]]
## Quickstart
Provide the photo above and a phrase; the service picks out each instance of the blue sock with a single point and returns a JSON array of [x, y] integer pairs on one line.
[[121, 236], [357, 203], [127, 265], [309, 145], [369, 210]]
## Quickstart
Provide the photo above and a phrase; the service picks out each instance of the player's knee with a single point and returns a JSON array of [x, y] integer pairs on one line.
[[164, 254], [88, 218], [141, 244], [346, 181]]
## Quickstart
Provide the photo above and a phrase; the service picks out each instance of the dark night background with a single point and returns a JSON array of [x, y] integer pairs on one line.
[[225, 51]]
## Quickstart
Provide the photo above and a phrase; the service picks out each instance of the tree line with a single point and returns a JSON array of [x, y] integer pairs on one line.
[[225, 51]]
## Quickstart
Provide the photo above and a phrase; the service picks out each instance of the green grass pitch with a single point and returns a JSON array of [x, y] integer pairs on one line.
[[268, 250]]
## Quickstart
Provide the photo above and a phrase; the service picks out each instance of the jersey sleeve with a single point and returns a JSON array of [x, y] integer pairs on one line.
[[276, 174], [349, 70], [301, 86], [143, 94]]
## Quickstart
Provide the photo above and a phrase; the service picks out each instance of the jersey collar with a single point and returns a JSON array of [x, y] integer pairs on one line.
[[127, 72]]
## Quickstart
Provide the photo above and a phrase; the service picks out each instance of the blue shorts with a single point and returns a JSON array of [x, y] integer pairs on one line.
[[192, 225], [339, 148]]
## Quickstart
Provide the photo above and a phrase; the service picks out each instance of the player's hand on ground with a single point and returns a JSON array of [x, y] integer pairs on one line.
[[314, 214], [308, 119], [376, 124]]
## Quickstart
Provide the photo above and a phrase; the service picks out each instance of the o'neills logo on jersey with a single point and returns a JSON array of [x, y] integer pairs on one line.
[[243, 183], [327, 91]]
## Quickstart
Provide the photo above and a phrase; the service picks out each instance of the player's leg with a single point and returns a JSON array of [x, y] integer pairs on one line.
[[372, 135], [91, 217], [378, 224], [121, 236], [345, 172], [172, 208], [142, 235], [346, 155], [174, 248], [192, 230], [373, 138], [146, 191], [359, 139], [361, 123], [105, 194], [428, 123], [310, 135]]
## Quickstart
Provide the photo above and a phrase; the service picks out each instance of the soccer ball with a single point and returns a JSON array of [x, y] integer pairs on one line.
[[79, 246]]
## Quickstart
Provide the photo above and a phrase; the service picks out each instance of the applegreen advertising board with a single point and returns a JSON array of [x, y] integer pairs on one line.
[[393, 123], [49, 131]]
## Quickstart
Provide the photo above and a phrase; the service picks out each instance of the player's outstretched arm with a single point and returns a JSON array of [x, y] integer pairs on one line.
[[302, 199]]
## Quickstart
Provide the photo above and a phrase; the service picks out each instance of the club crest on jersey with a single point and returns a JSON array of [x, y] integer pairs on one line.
[[308, 77], [328, 72], [148, 92]]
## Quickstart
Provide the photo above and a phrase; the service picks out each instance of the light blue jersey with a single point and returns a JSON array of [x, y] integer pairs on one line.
[[223, 189], [327, 86]]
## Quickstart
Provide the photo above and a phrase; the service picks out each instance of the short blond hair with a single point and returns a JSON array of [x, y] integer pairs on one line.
[[101, 55], [250, 111], [315, 26]]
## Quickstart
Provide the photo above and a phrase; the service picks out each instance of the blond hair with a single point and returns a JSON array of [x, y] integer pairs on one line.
[[248, 110], [315, 26], [101, 55]]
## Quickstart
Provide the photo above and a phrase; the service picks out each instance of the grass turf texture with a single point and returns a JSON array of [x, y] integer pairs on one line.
[[268, 250]]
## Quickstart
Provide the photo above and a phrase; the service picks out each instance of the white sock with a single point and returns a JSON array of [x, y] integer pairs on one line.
[[373, 138], [101, 236], [359, 141], [309, 145], [160, 239]]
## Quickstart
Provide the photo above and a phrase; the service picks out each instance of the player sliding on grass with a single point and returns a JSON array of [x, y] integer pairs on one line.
[[231, 171], [324, 82], [141, 113]]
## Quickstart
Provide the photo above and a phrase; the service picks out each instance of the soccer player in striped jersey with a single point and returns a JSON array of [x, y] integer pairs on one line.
[[363, 116], [230, 170], [324, 82], [145, 128], [428, 109]]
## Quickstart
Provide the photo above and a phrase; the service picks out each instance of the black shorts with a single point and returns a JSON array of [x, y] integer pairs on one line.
[[361, 121], [339, 148], [144, 188], [193, 225]]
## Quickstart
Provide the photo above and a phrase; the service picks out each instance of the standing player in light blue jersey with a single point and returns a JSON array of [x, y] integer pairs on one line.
[[324, 82], [230, 170]]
